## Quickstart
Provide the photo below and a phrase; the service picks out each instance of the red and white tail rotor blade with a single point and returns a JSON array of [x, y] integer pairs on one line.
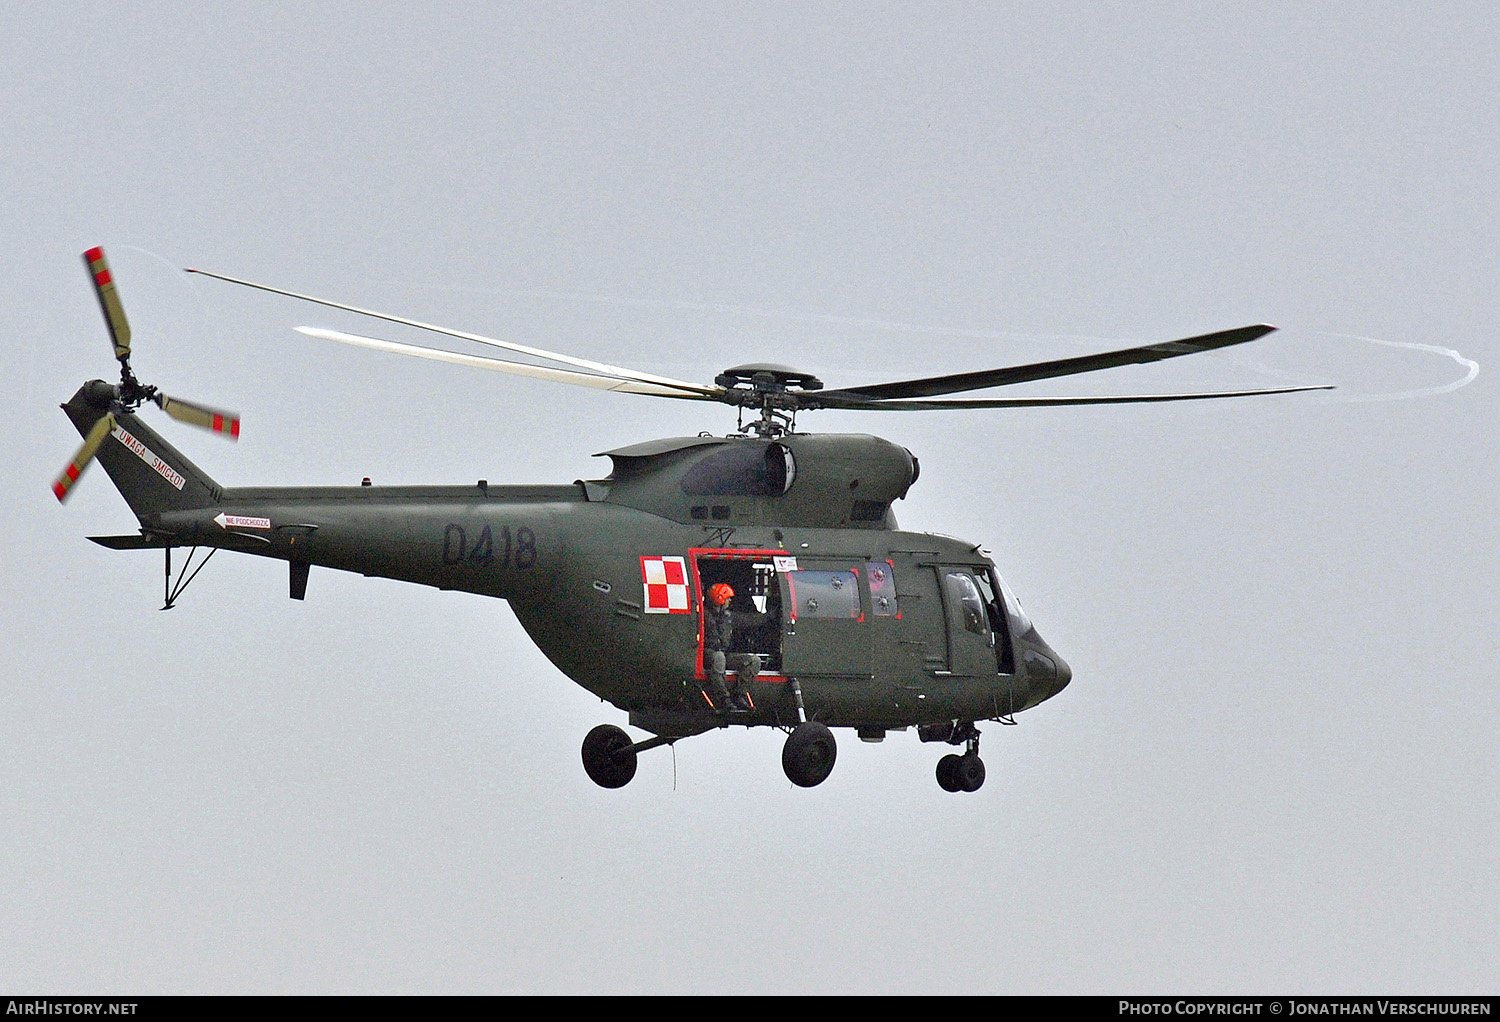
[[226, 424], [69, 476], [109, 301]]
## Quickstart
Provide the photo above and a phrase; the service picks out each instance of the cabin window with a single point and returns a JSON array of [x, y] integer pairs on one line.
[[742, 470], [832, 594], [883, 590]]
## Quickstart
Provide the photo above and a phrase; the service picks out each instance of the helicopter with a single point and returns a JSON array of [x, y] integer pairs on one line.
[[855, 623]]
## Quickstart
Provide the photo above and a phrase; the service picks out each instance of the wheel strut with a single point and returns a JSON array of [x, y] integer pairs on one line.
[[797, 695], [649, 743]]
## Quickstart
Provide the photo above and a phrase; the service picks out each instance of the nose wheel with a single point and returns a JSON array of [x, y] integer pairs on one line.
[[962, 773]]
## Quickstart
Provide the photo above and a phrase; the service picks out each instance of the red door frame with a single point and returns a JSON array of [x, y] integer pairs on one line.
[[727, 554]]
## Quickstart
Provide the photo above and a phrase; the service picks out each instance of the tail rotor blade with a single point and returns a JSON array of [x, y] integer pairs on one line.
[[81, 460], [109, 301], [226, 424]]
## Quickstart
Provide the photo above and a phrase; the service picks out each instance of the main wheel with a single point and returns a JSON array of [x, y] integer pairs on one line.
[[808, 754], [608, 758], [969, 773], [947, 772]]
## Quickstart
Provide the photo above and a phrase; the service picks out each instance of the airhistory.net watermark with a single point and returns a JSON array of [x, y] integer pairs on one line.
[[48, 1006]]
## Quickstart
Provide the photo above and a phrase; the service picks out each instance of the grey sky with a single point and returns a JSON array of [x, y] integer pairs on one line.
[[1275, 770]]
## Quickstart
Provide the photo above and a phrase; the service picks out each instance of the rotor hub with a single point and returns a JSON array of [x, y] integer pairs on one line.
[[766, 378], [775, 390]]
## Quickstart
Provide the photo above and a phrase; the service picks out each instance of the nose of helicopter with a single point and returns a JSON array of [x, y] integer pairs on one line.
[[1064, 674], [1047, 672]]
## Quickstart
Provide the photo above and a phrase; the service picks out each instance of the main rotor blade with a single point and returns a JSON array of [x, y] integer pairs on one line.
[[69, 476], [503, 366], [858, 404], [957, 382], [109, 301], [226, 424], [551, 356]]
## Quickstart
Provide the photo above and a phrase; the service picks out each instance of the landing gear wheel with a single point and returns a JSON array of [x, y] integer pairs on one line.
[[947, 772], [808, 754], [608, 758], [969, 772]]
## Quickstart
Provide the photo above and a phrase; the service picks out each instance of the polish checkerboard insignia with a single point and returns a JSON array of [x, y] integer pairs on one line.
[[666, 584]]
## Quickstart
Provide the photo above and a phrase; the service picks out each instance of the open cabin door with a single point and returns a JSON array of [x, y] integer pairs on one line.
[[757, 605], [826, 619]]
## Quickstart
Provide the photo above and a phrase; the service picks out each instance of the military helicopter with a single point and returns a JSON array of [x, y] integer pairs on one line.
[[858, 624]]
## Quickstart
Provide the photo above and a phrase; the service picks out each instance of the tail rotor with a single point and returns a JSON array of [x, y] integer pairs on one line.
[[131, 393]]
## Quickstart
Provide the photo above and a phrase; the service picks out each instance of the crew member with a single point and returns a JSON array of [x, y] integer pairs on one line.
[[718, 635]]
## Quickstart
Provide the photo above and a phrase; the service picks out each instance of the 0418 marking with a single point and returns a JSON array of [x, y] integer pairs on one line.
[[490, 548]]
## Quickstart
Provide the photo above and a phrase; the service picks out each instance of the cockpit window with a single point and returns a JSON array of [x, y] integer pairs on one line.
[[1020, 624], [742, 470], [965, 595]]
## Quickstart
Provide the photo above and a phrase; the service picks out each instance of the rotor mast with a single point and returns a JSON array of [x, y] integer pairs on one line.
[[769, 390]]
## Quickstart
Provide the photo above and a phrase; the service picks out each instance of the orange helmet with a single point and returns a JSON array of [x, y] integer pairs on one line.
[[720, 593]]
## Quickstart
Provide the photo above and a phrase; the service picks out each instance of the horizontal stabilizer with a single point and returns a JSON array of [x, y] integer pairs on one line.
[[147, 541]]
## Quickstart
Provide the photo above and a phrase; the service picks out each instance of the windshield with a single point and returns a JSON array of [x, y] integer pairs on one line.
[[1020, 624]]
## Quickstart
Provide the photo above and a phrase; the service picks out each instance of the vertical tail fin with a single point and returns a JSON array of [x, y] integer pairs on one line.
[[151, 474]]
